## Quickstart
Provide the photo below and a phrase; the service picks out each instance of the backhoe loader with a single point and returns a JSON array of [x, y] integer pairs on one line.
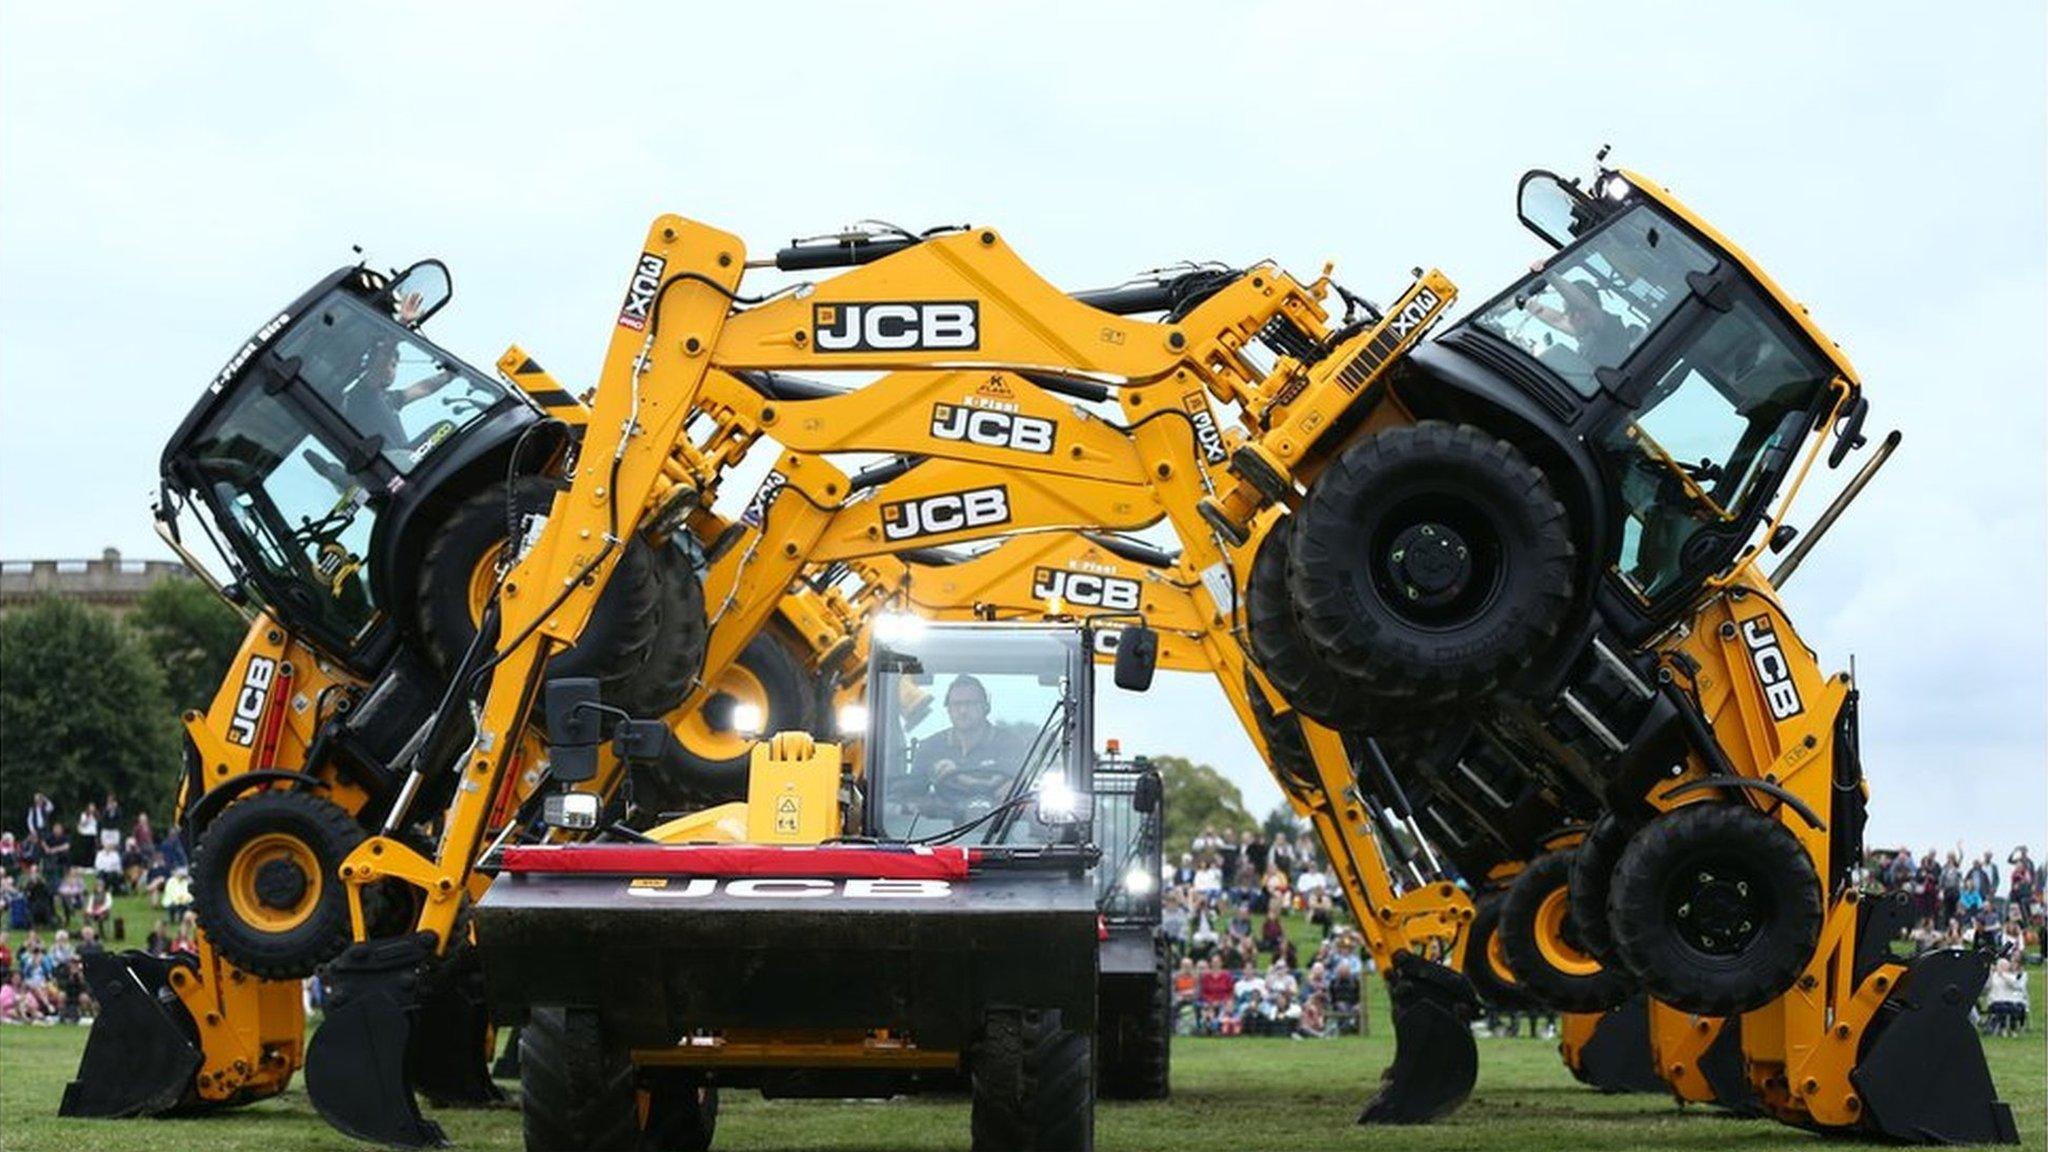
[[1487, 585]]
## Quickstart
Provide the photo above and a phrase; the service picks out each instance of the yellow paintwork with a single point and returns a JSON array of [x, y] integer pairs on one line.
[[793, 790]]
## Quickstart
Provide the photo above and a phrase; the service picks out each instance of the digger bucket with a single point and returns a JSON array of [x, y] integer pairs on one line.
[[1435, 1060], [452, 1036], [1617, 1057], [1722, 1067], [143, 1050], [358, 1067], [1921, 1073]]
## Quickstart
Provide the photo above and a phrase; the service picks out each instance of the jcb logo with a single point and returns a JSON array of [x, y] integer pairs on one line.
[[641, 291], [1206, 433], [994, 429], [946, 512], [1772, 669], [791, 888], [250, 700], [925, 324], [1086, 588], [1414, 312], [756, 510]]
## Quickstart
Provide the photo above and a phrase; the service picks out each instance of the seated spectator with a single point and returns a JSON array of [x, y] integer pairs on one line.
[[1272, 934], [1214, 984], [173, 849], [57, 850], [1184, 872], [61, 951], [42, 899], [6, 958], [99, 907], [1184, 983], [107, 864], [188, 935], [1229, 1019], [177, 894], [159, 943], [2006, 997], [1314, 1021], [16, 1005], [1209, 879], [70, 896], [36, 973], [1278, 889], [89, 942]]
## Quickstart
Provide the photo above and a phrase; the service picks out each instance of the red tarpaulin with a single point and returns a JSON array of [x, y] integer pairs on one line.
[[822, 861]]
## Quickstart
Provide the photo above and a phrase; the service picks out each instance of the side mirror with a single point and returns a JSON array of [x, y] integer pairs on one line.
[[573, 712], [1137, 657], [420, 291], [1150, 790], [1849, 431], [1553, 209]]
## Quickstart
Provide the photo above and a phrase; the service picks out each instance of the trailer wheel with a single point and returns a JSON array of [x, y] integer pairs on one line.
[[770, 676], [1486, 966], [459, 572], [682, 1112], [266, 886], [1310, 683], [576, 1091], [1033, 1084], [1431, 559], [1716, 907], [1134, 1033], [1592, 880], [1541, 942]]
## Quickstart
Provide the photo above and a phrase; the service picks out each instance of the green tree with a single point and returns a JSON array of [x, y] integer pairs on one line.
[[1282, 821], [1198, 797], [191, 635], [82, 710]]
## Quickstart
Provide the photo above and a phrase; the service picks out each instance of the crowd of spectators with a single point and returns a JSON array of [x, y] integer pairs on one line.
[[1225, 907], [1964, 900], [58, 883]]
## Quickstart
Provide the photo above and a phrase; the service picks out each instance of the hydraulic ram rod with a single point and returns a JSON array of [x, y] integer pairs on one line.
[[1834, 510]]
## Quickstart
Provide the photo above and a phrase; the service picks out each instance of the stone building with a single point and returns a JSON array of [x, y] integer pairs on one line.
[[108, 582]]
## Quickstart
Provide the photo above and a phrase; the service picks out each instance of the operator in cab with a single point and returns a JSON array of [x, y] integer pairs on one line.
[[971, 763]]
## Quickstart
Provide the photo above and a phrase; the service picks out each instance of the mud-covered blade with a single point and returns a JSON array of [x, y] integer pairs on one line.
[[1435, 1060], [143, 1050], [1922, 1075], [357, 1067]]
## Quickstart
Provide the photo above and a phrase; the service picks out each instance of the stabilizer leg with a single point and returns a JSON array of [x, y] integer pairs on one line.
[[357, 1068], [1435, 1059], [143, 1051], [1617, 1057]]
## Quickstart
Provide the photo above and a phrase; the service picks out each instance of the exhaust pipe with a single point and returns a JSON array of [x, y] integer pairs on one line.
[[1835, 509]]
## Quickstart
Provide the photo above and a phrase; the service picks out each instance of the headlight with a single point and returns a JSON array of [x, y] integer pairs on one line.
[[853, 719], [1616, 187], [1139, 881], [898, 627], [747, 719], [1056, 800], [569, 810]]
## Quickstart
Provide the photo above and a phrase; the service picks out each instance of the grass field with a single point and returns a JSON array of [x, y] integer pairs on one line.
[[1234, 1095]]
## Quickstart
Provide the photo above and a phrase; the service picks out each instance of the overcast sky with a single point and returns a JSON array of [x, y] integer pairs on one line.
[[170, 174]]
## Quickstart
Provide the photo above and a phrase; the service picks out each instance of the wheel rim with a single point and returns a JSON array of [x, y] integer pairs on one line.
[[1497, 960], [483, 581], [1718, 906], [1435, 560], [707, 731], [274, 883], [1551, 942]]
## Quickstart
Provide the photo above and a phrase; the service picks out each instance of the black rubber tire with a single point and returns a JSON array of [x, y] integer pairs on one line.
[[1286, 746], [1315, 687], [1134, 1034], [1495, 990], [1369, 506], [1033, 1084], [774, 658], [1592, 880], [682, 1112], [576, 1091], [1656, 897], [327, 833], [675, 655], [1522, 931], [616, 640]]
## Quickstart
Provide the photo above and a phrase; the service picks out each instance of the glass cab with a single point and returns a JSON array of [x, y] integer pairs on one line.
[[978, 734], [307, 440], [1683, 371], [1127, 881]]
